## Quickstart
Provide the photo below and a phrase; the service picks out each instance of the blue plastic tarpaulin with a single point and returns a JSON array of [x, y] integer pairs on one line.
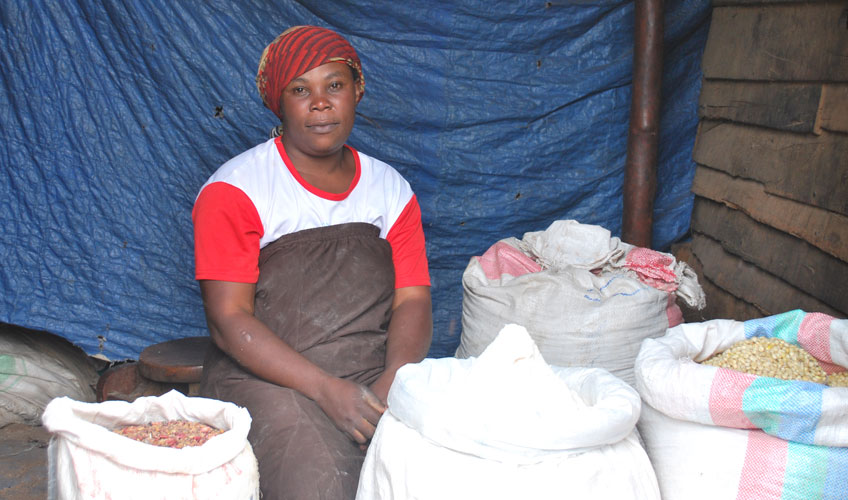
[[504, 116]]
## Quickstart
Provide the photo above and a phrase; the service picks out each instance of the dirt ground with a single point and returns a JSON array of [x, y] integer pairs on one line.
[[23, 462]]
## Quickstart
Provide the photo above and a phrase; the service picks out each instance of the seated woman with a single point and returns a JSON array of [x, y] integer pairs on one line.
[[312, 267]]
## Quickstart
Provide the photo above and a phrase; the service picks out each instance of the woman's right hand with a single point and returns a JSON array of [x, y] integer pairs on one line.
[[352, 407]]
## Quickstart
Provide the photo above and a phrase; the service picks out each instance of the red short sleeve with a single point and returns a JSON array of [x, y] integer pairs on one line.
[[227, 230], [408, 248]]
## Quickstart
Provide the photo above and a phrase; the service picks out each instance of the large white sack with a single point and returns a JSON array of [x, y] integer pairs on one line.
[[507, 425], [714, 433], [587, 298], [86, 459]]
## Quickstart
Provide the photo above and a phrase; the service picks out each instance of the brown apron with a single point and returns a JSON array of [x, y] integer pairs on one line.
[[328, 293]]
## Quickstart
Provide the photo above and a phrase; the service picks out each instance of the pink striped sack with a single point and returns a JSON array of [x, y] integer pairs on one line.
[[714, 433], [587, 298]]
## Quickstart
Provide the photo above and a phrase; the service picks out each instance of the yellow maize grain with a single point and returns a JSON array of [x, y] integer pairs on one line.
[[839, 379], [770, 357]]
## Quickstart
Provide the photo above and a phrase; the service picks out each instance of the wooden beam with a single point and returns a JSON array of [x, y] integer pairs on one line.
[[764, 290], [833, 108], [640, 168], [725, 3], [775, 43], [803, 167], [720, 303], [825, 230], [784, 106], [793, 260]]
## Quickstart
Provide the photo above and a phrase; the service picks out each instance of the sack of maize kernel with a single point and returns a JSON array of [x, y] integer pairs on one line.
[[89, 457], [587, 298], [717, 433], [507, 425]]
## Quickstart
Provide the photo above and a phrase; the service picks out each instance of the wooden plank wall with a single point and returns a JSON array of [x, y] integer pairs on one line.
[[770, 219]]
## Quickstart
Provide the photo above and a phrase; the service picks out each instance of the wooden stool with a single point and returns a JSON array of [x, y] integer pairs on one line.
[[122, 382], [178, 361]]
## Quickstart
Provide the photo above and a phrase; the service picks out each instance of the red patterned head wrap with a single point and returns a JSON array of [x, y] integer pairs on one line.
[[297, 50]]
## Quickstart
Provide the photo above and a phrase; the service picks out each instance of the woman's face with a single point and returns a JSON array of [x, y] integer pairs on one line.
[[318, 109]]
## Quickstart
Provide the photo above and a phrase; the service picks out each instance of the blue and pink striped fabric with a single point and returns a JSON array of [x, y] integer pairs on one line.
[[805, 472], [795, 440], [787, 409], [788, 412]]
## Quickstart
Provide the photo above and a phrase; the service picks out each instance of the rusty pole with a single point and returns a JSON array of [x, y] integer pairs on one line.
[[640, 174]]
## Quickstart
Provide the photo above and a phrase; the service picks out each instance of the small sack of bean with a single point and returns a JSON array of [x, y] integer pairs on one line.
[[172, 433], [774, 357]]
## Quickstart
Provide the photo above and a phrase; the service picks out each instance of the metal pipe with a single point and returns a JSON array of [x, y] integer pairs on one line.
[[640, 174]]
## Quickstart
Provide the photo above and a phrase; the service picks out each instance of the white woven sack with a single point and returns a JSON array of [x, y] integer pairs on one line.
[[86, 459], [589, 302], [506, 425], [714, 433], [576, 317]]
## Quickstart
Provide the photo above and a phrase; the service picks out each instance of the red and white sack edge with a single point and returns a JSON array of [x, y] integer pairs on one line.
[[569, 243]]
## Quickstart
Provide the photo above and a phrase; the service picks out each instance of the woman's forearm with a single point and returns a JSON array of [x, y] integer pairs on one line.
[[251, 344], [409, 336]]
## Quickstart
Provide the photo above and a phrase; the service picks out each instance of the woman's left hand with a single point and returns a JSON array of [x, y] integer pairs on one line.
[[352, 407]]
